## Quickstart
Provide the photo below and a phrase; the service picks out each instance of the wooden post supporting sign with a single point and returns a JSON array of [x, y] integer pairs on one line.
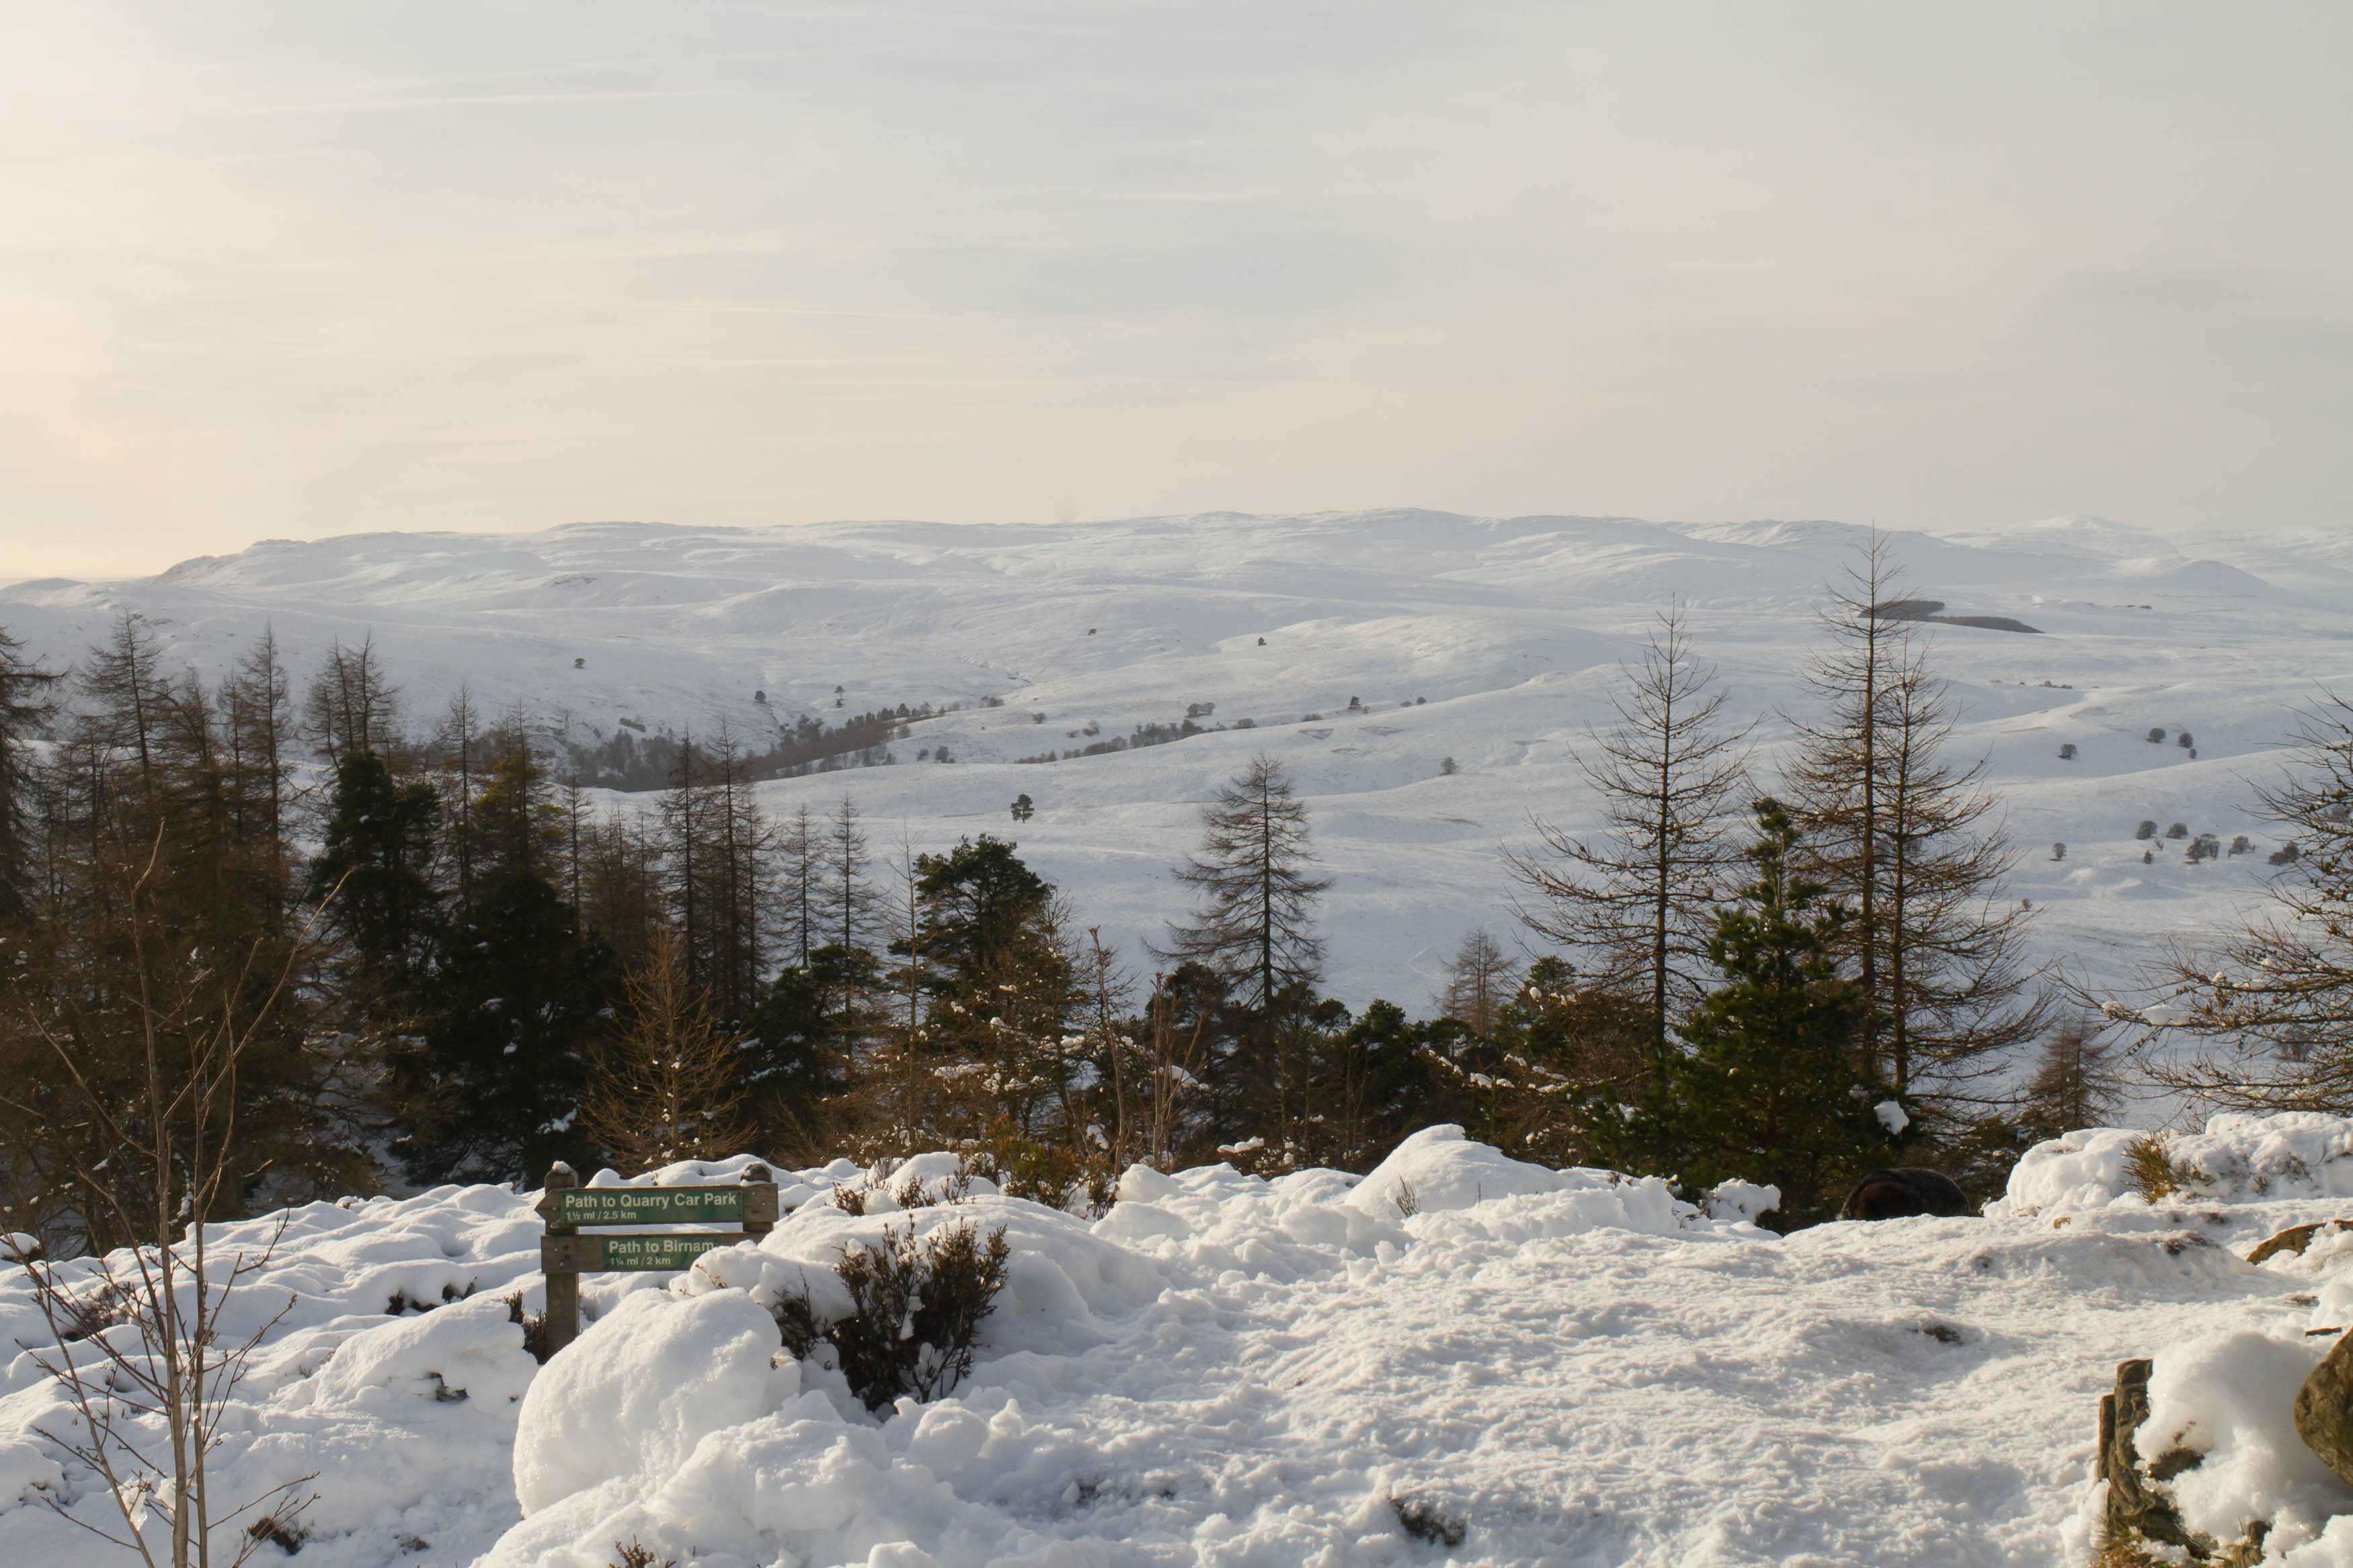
[[565, 1254]]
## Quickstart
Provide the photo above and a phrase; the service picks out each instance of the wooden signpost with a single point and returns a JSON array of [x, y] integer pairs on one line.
[[565, 1255]]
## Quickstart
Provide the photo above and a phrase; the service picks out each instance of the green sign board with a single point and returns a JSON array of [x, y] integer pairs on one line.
[[652, 1205], [616, 1254]]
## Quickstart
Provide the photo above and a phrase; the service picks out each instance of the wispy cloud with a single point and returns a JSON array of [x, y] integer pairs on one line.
[[492, 100]]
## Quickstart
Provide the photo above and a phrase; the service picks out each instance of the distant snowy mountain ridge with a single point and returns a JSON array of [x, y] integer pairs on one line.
[[1491, 641]]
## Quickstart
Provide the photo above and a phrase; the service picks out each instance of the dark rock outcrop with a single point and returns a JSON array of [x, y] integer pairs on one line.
[[2324, 1409]]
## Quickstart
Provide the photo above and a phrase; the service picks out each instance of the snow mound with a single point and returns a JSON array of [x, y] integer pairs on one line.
[[2238, 1158], [641, 1388], [1570, 1366], [1437, 1169]]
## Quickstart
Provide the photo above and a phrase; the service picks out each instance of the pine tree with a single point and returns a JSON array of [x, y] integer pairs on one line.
[[513, 1003], [24, 708], [796, 1055], [1767, 1086], [1558, 1044], [374, 871], [1004, 997], [1637, 902], [1255, 929]]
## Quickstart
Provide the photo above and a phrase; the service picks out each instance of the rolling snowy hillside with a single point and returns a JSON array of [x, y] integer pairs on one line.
[[1491, 641]]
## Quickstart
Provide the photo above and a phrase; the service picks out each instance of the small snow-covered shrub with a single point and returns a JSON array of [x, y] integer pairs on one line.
[[2148, 829], [534, 1328], [916, 1307], [1045, 1173], [283, 1533]]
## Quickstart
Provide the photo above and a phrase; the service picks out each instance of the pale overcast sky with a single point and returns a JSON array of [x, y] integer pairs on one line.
[[308, 268]]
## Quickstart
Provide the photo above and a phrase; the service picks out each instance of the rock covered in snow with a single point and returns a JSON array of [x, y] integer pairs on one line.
[[2219, 1430], [2324, 1409]]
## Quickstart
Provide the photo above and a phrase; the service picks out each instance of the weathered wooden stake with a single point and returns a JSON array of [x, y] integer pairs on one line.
[[759, 1216], [563, 1285]]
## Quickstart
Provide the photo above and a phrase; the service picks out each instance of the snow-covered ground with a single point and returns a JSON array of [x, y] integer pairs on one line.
[[1562, 1367], [1493, 641]]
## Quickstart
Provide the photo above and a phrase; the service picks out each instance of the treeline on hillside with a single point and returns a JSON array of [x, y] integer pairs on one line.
[[633, 758], [266, 941]]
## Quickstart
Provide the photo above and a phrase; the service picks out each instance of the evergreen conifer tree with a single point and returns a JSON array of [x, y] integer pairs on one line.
[[1767, 1086], [1006, 999], [24, 708], [373, 867], [1254, 928], [797, 1050], [514, 1002]]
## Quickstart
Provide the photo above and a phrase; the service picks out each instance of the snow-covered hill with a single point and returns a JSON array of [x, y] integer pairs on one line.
[[1534, 1367], [1491, 641]]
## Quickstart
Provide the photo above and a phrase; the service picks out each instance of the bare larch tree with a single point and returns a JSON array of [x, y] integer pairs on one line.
[[1480, 979], [1907, 839], [1255, 923], [669, 1086], [1637, 900]]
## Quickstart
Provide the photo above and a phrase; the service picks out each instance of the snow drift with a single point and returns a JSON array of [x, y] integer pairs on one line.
[[1540, 1366]]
